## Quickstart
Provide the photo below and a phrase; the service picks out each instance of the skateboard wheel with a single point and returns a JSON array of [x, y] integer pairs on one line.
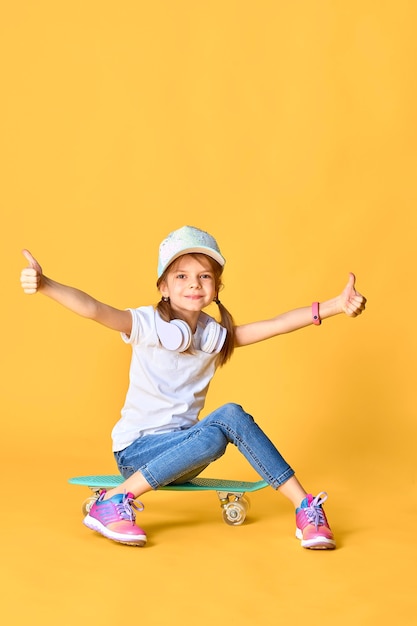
[[87, 504], [234, 513], [246, 503]]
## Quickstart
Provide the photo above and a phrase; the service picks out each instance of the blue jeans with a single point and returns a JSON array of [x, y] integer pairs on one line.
[[181, 455]]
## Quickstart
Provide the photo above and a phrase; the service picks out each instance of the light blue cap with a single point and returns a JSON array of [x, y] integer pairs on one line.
[[184, 241]]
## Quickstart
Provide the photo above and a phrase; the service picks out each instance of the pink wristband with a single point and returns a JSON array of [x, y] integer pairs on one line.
[[315, 313]]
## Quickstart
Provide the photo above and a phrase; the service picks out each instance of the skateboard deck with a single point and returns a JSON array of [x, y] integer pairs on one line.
[[231, 493]]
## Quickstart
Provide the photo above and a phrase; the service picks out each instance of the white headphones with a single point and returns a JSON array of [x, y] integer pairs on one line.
[[177, 335]]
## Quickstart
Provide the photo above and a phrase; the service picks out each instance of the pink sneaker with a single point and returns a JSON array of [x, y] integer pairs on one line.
[[115, 519], [312, 526]]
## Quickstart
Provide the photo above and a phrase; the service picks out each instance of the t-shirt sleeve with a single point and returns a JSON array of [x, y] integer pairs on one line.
[[134, 332], [143, 326]]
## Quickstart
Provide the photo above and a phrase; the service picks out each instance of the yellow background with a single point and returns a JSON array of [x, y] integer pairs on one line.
[[288, 130]]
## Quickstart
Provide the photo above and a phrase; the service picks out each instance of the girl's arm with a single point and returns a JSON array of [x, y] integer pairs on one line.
[[350, 302], [33, 280]]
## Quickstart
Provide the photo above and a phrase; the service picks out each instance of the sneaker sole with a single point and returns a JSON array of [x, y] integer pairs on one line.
[[318, 543], [128, 540]]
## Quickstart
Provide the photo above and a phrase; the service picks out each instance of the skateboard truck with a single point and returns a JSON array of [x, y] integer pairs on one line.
[[235, 506]]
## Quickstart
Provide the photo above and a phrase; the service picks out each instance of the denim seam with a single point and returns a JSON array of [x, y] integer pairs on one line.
[[274, 482], [149, 477]]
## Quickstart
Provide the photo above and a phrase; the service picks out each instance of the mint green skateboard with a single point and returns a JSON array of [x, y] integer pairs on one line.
[[231, 493]]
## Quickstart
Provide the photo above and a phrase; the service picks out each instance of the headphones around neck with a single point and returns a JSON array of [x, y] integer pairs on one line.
[[177, 335]]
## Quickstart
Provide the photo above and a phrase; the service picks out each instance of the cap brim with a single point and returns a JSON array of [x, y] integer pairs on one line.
[[197, 250]]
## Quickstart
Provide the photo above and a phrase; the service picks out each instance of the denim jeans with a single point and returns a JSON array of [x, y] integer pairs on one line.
[[182, 455]]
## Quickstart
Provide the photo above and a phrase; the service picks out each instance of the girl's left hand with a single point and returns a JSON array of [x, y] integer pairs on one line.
[[351, 301]]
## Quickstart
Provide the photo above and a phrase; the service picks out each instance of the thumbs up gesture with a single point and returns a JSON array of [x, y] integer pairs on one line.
[[351, 301], [31, 276]]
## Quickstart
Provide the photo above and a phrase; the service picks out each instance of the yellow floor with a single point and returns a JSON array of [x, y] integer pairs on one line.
[[197, 570]]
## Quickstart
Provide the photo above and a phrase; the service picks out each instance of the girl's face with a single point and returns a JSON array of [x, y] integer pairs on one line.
[[190, 285]]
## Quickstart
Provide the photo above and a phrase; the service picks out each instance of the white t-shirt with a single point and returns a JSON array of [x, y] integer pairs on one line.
[[167, 390]]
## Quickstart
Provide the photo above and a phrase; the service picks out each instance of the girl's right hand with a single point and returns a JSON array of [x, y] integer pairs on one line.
[[31, 276]]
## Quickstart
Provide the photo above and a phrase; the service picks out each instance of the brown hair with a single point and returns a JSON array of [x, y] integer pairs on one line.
[[165, 310]]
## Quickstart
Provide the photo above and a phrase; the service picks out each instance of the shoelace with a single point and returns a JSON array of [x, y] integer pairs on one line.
[[126, 506], [314, 512]]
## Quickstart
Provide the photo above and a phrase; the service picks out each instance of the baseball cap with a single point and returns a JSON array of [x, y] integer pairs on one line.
[[186, 240]]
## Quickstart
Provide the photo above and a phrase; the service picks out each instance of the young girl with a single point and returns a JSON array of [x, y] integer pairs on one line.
[[176, 349]]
